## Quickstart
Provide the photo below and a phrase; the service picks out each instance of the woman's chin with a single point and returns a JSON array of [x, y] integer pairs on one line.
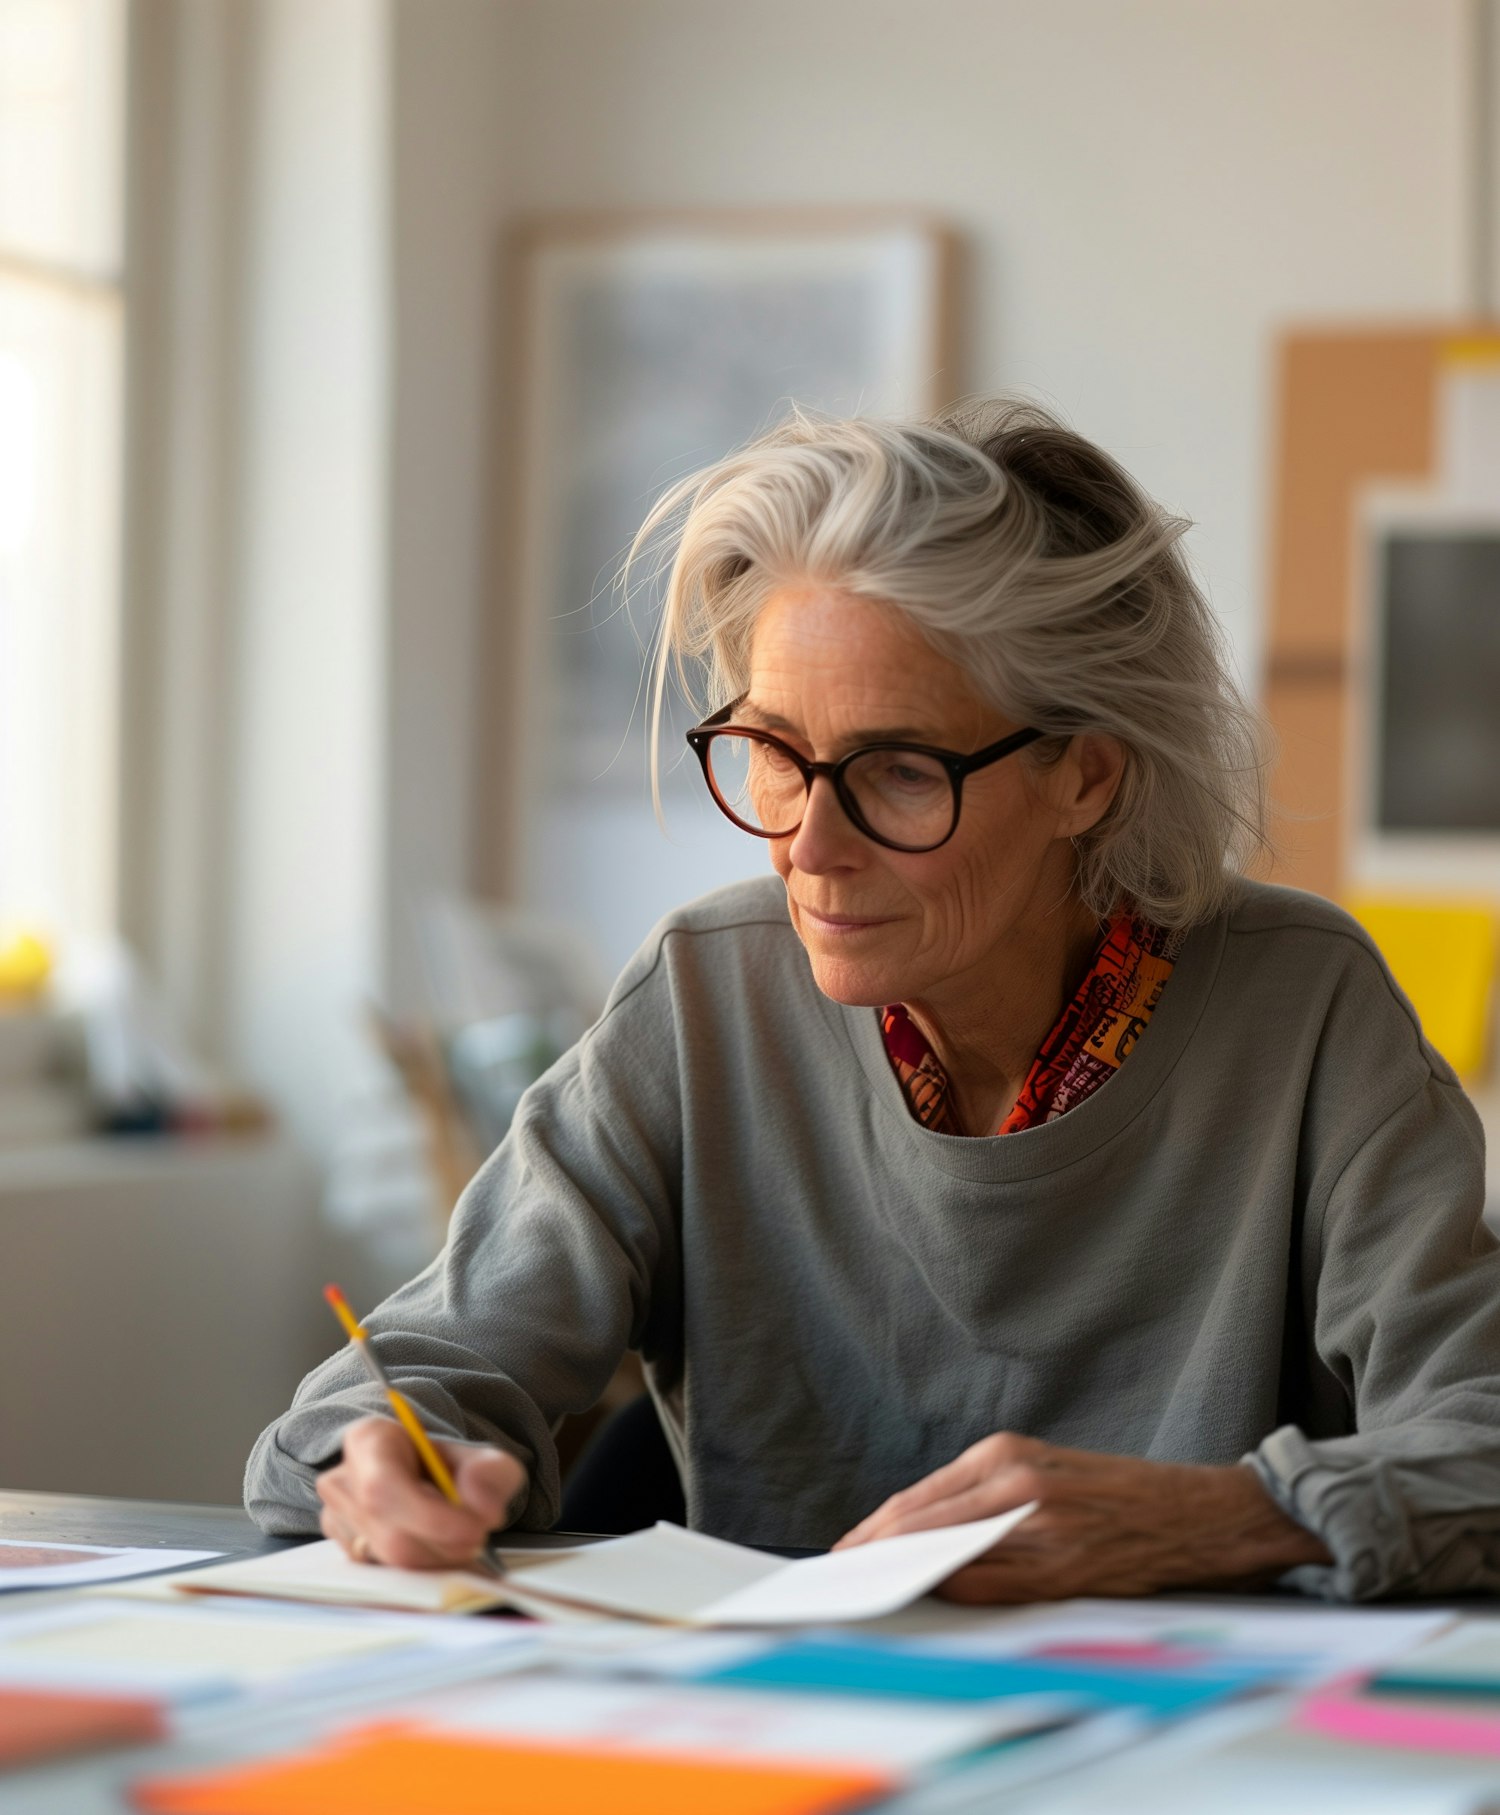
[[851, 983]]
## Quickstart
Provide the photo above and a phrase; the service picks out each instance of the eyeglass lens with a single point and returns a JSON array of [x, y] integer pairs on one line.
[[902, 795]]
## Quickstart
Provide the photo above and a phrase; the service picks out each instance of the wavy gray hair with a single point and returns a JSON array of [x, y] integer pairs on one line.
[[1029, 557]]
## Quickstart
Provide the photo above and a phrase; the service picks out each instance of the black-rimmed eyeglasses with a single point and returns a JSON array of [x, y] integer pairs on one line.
[[904, 796]]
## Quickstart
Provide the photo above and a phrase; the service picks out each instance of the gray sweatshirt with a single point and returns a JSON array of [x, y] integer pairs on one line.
[[1262, 1238]]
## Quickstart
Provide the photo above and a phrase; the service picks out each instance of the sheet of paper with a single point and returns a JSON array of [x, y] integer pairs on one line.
[[862, 1583], [44, 1565], [992, 1780], [667, 1573], [1465, 1661], [662, 1573], [1307, 1644], [393, 1771], [1420, 1725], [219, 1644], [1288, 1773], [900, 1673], [323, 1572], [725, 1723], [189, 1652]]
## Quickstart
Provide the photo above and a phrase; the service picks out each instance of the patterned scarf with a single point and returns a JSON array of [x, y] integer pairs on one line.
[[1093, 1037]]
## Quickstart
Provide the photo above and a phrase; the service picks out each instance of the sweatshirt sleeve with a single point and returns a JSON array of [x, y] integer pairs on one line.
[[561, 1255], [1403, 1297]]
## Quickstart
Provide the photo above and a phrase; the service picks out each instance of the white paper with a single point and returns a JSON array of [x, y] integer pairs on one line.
[[1312, 1642], [1471, 1650], [187, 1652], [675, 1653], [662, 1573], [865, 1582], [37, 1563], [324, 1572], [729, 1723], [667, 1573], [1287, 1773]]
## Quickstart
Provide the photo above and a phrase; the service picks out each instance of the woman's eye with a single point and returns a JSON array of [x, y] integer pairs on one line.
[[903, 775]]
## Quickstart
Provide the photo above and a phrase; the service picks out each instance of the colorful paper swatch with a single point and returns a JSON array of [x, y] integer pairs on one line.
[[869, 1669], [1382, 1721], [37, 1724], [410, 1771]]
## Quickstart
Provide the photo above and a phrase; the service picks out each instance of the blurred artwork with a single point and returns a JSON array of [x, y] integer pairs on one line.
[[653, 346]]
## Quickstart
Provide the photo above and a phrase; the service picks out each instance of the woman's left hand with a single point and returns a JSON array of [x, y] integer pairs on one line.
[[1106, 1525]]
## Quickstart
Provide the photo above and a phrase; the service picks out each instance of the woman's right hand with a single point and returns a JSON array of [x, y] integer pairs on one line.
[[380, 1506]]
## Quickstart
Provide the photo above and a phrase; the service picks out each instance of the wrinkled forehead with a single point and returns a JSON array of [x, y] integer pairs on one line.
[[831, 665]]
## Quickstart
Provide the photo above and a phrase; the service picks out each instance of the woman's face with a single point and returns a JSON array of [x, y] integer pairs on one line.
[[830, 672]]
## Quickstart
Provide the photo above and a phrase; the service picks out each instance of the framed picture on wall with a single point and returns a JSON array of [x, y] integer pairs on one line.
[[644, 348], [1423, 733]]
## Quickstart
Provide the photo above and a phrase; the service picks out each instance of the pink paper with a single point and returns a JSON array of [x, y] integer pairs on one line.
[[1374, 1721]]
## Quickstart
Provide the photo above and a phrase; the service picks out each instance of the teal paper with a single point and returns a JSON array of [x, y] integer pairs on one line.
[[852, 1669]]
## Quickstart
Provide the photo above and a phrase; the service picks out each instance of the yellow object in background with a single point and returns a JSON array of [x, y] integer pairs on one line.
[[1441, 951], [25, 965]]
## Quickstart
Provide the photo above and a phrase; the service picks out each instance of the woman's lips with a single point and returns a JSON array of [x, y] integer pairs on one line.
[[838, 923]]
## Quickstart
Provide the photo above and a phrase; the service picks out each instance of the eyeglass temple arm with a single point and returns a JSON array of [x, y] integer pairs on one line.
[[721, 717]]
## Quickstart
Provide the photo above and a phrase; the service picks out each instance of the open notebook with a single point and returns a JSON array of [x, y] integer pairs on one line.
[[664, 1574]]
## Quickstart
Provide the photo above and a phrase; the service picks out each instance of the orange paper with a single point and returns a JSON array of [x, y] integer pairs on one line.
[[410, 1771]]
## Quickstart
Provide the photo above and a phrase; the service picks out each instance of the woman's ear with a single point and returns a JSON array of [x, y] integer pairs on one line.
[[1088, 778]]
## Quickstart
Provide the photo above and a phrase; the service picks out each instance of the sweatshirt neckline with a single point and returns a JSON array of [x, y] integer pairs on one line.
[[1034, 1152]]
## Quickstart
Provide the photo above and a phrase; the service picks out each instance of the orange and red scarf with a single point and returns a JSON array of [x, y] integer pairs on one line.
[[1090, 1042]]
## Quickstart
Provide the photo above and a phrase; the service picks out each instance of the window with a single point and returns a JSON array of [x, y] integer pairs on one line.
[[62, 118]]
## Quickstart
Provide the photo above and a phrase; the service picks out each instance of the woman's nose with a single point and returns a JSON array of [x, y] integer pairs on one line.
[[827, 839]]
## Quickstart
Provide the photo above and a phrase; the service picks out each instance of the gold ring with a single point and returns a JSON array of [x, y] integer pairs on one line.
[[359, 1548]]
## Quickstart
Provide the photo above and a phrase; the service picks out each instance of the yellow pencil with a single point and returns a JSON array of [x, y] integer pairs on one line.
[[402, 1407]]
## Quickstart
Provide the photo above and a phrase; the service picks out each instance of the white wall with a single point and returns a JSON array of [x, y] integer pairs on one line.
[[308, 759], [1149, 188], [317, 192], [451, 79]]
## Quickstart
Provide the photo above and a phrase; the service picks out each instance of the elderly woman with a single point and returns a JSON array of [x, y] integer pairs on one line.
[[1008, 1143]]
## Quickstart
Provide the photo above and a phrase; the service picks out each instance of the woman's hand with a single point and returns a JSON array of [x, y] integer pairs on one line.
[[1108, 1525], [380, 1506]]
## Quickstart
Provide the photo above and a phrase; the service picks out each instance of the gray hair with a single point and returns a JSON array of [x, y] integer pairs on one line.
[[1034, 561]]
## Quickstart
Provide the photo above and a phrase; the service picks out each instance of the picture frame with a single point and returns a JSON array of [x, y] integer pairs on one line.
[[645, 346], [1421, 739]]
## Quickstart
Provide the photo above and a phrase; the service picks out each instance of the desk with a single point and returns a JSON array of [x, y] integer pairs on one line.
[[87, 1519], [167, 1525], [95, 1786]]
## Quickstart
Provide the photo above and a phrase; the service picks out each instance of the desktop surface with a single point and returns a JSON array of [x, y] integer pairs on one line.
[[99, 1785]]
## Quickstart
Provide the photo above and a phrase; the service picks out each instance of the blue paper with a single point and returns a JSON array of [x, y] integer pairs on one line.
[[862, 1669]]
